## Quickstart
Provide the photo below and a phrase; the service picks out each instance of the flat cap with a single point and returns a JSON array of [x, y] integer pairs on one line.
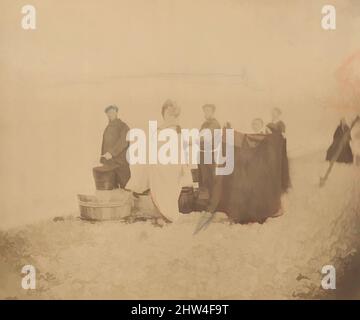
[[208, 105]]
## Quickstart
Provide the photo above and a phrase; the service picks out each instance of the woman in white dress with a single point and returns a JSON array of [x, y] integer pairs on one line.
[[164, 180]]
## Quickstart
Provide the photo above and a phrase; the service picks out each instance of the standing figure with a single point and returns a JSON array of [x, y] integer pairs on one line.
[[114, 147], [276, 125], [164, 181], [207, 171], [345, 155]]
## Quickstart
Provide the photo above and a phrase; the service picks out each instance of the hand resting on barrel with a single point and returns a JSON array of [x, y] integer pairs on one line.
[[107, 156]]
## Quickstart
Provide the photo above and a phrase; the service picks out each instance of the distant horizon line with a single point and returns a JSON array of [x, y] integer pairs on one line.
[[158, 75]]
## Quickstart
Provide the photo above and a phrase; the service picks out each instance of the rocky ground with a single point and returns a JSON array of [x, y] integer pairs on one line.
[[280, 259]]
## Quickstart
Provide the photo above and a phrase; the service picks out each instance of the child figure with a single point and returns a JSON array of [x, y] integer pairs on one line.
[[257, 126]]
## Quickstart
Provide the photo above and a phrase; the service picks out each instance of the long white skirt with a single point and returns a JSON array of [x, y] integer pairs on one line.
[[165, 183]]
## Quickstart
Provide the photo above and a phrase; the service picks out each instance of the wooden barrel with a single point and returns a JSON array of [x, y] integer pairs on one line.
[[105, 178]]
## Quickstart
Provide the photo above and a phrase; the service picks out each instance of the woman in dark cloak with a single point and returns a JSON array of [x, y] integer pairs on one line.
[[346, 155], [276, 125]]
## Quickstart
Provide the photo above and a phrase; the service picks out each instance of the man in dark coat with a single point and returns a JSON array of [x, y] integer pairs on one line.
[[207, 171], [114, 147]]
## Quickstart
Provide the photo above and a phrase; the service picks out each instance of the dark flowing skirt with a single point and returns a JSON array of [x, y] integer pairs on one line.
[[252, 193]]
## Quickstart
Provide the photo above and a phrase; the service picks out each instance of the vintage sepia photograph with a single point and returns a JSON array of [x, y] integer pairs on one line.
[[180, 150]]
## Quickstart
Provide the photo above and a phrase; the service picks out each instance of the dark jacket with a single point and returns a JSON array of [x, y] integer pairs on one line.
[[277, 127], [114, 142], [211, 124], [207, 171]]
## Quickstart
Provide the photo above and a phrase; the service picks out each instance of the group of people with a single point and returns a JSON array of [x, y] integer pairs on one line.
[[276, 124], [164, 183], [250, 194]]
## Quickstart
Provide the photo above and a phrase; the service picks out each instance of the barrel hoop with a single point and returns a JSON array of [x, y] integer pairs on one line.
[[101, 205]]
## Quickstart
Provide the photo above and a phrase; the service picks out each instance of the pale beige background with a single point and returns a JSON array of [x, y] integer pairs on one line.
[[244, 56]]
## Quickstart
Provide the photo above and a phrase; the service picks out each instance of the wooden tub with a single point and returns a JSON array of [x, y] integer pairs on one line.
[[91, 208]]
